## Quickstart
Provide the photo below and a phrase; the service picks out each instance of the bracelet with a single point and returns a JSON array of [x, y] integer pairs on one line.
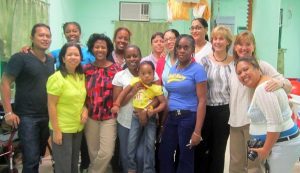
[[201, 139], [197, 134], [116, 104], [8, 113]]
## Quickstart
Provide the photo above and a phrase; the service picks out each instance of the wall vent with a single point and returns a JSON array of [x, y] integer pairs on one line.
[[134, 11]]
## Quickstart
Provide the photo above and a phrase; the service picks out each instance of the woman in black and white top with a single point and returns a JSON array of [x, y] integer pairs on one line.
[[210, 153]]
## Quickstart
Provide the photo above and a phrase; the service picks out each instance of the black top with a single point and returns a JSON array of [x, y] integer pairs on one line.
[[31, 75]]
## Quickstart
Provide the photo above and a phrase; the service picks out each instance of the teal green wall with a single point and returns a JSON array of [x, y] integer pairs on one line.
[[236, 8], [99, 16], [265, 28], [59, 13], [291, 37]]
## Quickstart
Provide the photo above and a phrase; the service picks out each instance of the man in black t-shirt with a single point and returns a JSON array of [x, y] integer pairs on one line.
[[30, 72]]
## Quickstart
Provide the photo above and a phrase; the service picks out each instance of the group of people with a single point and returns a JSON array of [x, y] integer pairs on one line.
[[189, 88]]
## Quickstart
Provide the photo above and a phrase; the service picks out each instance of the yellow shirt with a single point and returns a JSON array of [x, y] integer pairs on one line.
[[146, 94], [71, 92]]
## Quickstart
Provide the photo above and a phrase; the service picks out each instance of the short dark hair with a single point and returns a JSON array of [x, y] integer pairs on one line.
[[135, 47], [95, 37], [174, 31], [249, 59], [63, 51], [189, 38], [65, 25], [120, 29], [33, 30], [159, 34], [147, 63]]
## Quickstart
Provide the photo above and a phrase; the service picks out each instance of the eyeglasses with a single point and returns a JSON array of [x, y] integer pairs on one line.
[[197, 28], [169, 39]]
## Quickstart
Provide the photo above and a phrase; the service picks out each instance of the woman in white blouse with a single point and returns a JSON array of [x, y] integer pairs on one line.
[[270, 119], [198, 31], [240, 98], [210, 154]]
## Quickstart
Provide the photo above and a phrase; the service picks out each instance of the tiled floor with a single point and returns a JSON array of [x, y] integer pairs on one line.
[[46, 166]]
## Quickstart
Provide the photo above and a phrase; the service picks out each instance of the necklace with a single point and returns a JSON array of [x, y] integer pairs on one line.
[[219, 60], [118, 59]]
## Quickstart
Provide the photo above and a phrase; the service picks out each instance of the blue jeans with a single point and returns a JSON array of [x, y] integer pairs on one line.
[[178, 131], [123, 135], [135, 136], [33, 132]]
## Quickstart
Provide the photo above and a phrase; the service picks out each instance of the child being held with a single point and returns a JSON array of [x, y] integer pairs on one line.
[[144, 121]]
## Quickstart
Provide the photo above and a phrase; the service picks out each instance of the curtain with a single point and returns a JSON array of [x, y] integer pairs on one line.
[[142, 32], [17, 19], [7, 9]]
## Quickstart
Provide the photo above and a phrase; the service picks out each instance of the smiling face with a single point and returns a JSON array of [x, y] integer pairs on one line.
[[72, 33], [100, 50], [198, 31], [245, 47], [219, 43], [169, 41], [221, 38], [121, 40], [132, 58], [41, 38], [72, 58], [248, 74], [146, 73]]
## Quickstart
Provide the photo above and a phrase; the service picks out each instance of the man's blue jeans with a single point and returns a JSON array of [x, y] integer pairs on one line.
[[135, 135], [33, 132]]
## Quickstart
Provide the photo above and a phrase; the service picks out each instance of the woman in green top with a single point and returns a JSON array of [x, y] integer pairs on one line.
[[66, 97]]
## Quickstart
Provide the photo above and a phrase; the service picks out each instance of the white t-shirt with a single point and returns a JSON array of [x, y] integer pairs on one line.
[[122, 79], [207, 49]]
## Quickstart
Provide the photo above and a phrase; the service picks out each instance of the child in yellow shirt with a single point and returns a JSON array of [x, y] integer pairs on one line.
[[143, 121]]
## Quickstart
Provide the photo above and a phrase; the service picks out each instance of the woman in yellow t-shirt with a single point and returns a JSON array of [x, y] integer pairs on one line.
[[66, 97]]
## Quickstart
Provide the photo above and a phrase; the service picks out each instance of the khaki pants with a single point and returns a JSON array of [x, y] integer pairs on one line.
[[101, 138], [238, 152]]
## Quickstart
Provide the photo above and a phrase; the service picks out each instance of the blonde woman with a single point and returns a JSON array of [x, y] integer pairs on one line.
[[240, 97], [218, 64]]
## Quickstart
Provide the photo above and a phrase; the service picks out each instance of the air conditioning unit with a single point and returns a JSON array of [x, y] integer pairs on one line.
[[134, 11]]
